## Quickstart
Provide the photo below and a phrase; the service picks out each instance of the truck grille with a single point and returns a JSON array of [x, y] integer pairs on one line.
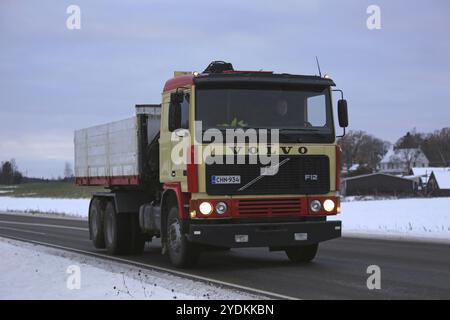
[[269, 207], [298, 175]]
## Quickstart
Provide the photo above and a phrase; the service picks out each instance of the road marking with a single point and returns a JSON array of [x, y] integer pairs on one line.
[[42, 215], [22, 230], [162, 269], [43, 225]]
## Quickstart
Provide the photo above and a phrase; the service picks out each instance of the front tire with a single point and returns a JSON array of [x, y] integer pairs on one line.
[[302, 254], [182, 253], [96, 231]]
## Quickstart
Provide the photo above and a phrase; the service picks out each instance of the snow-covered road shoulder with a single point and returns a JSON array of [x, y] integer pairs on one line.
[[36, 272]]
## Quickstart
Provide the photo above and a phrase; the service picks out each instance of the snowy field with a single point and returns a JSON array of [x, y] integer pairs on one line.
[[394, 218], [72, 207], [397, 219], [36, 272]]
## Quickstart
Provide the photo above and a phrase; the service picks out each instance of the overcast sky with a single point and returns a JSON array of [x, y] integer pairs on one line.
[[54, 80]]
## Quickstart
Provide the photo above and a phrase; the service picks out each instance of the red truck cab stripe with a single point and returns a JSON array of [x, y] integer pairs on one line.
[[192, 170]]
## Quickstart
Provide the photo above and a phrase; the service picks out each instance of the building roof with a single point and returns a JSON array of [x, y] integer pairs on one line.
[[374, 174], [425, 172], [442, 179]]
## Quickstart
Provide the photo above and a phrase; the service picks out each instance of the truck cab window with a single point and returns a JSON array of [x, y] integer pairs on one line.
[[316, 111]]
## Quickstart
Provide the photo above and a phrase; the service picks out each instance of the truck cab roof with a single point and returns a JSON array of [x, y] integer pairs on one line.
[[225, 77]]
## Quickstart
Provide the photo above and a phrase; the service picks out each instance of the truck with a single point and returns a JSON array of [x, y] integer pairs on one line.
[[169, 173]]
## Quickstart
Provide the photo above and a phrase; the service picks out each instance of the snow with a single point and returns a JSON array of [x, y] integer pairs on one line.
[[443, 179], [407, 218], [31, 271], [73, 207], [402, 218], [425, 172]]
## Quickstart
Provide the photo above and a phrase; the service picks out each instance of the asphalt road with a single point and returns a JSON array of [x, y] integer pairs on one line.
[[409, 270]]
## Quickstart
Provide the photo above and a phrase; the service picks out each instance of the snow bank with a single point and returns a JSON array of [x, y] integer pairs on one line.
[[35, 272], [74, 207], [403, 218]]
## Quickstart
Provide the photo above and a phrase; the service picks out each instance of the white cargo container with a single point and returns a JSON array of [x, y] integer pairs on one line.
[[110, 153]]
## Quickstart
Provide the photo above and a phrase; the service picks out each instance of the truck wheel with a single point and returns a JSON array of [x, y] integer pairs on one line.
[[182, 253], [303, 253], [117, 227], [96, 232]]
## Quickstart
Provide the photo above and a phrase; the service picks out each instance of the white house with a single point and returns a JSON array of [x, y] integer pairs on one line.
[[400, 161]]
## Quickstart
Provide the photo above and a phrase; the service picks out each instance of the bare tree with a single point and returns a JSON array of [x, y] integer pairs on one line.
[[9, 173], [358, 147], [68, 171], [408, 156]]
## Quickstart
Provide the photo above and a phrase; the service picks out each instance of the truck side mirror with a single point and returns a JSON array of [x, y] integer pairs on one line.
[[342, 113], [176, 98]]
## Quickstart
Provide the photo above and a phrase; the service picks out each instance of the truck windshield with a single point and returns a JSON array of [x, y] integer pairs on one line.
[[301, 115]]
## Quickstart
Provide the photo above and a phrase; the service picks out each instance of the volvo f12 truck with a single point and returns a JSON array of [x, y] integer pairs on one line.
[[228, 159]]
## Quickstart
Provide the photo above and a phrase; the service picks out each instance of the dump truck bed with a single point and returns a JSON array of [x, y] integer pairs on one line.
[[111, 153]]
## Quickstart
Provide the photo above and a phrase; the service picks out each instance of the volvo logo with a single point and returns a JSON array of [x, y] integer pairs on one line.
[[287, 150]]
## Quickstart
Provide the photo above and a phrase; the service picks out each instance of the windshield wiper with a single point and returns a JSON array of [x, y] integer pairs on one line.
[[299, 129], [309, 131], [314, 131]]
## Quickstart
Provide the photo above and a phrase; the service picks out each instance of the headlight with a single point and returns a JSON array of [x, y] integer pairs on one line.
[[328, 205], [315, 205], [205, 208], [221, 207]]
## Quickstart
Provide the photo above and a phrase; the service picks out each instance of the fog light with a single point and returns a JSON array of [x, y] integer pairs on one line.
[[328, 205], [205, 208], [221, 207], [315, 206], [241, 238]]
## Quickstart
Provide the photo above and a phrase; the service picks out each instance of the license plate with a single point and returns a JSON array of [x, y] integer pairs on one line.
[[225, 179]]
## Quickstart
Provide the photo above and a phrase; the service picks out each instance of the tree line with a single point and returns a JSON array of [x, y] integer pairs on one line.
[[9, 173]]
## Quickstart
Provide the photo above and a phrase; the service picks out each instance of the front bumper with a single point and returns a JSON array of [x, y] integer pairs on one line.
[[274, 235]]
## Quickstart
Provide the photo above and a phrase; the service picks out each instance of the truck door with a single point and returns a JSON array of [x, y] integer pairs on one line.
[[170, 170]]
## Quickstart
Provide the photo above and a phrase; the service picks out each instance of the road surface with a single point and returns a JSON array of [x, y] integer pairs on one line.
[[409, 270]]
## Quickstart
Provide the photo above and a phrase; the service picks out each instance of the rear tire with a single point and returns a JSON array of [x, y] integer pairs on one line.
[[117, 231], [96, 231], [182, 253], [302, 254]]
